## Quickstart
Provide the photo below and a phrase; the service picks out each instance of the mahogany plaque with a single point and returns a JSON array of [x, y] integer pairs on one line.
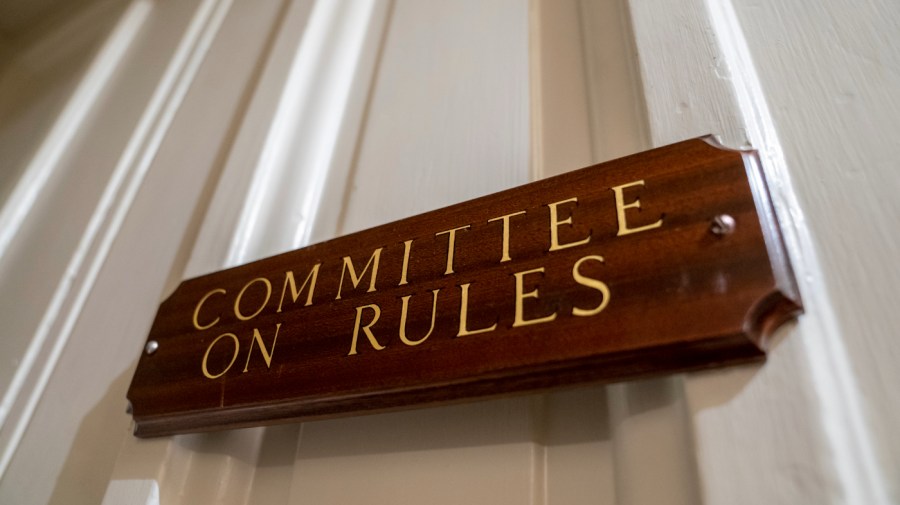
[[664, 261]]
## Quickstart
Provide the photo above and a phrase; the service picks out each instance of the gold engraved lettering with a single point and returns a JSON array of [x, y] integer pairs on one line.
[[464, 315], [203, 366], [197, 310], [348, 264], [237, 301], [505, 252], [520, 298], [267, 354], [554, 226], [591, 283], [451, 246], [295, 293], [621, 206], [403, 312], [366, 328], [407, 246]]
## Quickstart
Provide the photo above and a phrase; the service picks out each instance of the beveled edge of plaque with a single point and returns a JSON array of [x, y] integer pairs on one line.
[[552, 376], [784, 303]]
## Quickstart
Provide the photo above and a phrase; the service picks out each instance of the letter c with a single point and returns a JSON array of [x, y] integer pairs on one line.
[[197, 310]]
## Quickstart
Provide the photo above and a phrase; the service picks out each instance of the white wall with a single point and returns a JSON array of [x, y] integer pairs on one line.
[[208, 119]]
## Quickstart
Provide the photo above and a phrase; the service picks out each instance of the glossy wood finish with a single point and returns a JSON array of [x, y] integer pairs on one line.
[[680, 298]]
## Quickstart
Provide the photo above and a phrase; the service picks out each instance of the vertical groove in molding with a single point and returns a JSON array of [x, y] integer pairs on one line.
[[331, 218], [617, 110], [587, 106], [856, 464], [559, 98], [648, 425], [535, 41], [586, 99], [204, 203], [652, 443], [301, 144], [539, 465], [114, 204]]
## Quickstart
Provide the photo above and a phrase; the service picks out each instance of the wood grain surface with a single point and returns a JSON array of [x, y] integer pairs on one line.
[[668, 295]]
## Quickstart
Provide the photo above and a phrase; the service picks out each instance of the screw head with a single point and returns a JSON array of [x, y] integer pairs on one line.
[[151, 347], [722, 225]]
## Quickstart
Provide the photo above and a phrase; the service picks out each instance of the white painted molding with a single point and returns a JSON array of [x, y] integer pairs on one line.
[[615, 93], [70, 296], [452, 93], [297, 137], [28, 189], [650, 433], [842, 415], [132, 492], [558, 88], [700, 78], [300, 149], [296, 145]]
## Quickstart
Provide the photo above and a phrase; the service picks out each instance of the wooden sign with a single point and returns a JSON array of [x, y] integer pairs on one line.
[[665, 261]]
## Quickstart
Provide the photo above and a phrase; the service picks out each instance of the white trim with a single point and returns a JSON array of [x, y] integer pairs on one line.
[[132, 492], [838, 393], [536, 90], [106, 220], [298, 134], [30, 186], [300, 147], [615, 96], [46, 159]]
